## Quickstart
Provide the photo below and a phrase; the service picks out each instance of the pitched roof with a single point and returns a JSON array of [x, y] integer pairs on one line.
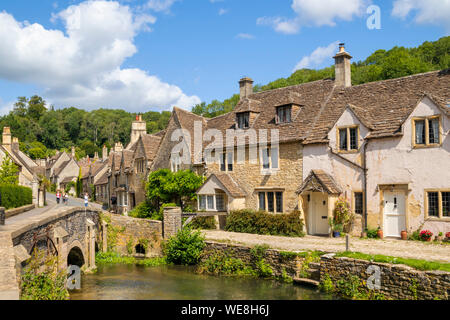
[[103, 179], [61, 168], [151, 144], [230, 184], [127, 158], [319, 180], [383, 105]]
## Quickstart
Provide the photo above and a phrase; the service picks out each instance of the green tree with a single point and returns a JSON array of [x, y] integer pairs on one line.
[[163, 186], [9, 172]]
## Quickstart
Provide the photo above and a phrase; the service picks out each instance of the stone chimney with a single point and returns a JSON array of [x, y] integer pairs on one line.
[[105, 153], [118, 147], [73, 152], [15, 145], [96, 156], [6, 136], [138, 127], [246, 86], [343, 68]]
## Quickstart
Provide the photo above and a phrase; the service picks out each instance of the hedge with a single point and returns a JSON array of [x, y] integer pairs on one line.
[[261, 222], [13, 196]]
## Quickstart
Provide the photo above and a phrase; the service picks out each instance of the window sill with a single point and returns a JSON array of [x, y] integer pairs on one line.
[[268, 172], [429, 146], [348, 152], [438, 219]]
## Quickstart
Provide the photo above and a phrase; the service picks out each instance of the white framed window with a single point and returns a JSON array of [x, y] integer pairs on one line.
[[226, 161], [215, 202], [348, 139], [270, 158], [426, 132]]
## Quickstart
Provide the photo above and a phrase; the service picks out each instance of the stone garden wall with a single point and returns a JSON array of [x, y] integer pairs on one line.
[[291, 264], [397, 282]]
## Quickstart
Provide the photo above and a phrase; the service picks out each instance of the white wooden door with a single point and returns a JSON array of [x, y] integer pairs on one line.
[[320, 213], [394, 213]]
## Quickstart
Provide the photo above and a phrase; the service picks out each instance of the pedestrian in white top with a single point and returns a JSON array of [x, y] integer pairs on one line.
[[86, 200], [67, 198]]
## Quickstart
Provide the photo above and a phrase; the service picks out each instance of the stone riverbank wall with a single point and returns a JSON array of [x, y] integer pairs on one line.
[[130, 236], [398, 282]]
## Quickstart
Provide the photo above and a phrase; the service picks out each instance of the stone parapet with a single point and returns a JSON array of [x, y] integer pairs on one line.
[[172, 221]]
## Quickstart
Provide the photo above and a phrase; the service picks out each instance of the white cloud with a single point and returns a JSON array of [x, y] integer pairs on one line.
[[6, 107], [222, 11], [316, 13], [160, 5], [426, 11], [317, 57], [245, 36], [82, 67]]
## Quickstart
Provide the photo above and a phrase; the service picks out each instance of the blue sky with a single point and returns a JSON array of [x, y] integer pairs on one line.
[[145, 55]]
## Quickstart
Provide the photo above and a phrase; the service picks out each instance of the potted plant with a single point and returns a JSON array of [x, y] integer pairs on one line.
[[337, 229], [426, 235], [440, 237], [364, 234], [380, 233], [447, 236], [404, 235]]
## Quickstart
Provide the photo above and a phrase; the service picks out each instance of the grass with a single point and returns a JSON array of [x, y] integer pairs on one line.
[[115, 258], [423, 265]]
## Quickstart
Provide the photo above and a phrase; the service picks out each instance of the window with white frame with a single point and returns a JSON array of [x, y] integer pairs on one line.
[[214, 202], [270, 158], [226, 161]]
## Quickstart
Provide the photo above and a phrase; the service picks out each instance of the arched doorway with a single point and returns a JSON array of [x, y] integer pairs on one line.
[[75, 257]]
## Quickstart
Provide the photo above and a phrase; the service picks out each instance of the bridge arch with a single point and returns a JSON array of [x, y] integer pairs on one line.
[[76, 255]]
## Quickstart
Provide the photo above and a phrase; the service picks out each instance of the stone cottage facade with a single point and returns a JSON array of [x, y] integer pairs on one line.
[[382, 146]]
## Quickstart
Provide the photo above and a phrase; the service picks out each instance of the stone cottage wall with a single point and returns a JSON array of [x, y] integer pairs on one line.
[[288, 179]]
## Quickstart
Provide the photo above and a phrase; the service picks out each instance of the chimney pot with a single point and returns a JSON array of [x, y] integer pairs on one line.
[[7, 136], [343, 68]]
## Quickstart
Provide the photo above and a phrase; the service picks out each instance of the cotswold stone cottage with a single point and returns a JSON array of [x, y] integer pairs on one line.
[[383, 146]]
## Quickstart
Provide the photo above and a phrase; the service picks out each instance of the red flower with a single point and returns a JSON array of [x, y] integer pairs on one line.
[[426, 234], [447, 235]]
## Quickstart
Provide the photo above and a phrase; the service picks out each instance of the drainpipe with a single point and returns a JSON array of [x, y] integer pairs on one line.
[[365, 184]]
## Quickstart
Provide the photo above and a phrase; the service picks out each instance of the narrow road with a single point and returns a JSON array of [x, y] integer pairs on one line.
[[51, 204]]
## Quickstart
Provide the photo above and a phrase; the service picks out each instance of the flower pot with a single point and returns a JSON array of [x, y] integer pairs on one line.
[[429, 240], [336, 234], [404, 235], [438, 238], [364, 234], [380, 234]]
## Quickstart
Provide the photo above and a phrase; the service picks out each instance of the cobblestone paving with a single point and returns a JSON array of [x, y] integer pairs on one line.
[[389, 247]]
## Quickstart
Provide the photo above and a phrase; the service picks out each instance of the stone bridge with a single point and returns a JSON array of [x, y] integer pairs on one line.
[[73, 235]]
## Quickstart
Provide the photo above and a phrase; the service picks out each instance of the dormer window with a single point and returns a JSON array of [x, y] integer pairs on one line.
[[243, 120], [426, 132], [284, 114], [348, 139]]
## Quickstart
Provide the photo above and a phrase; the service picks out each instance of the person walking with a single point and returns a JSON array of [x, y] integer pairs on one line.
[[63, 196], [66, 197], [58, 197], [114, 203], [86, 200]]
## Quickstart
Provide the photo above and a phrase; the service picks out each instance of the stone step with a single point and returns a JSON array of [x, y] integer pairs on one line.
[[308, 282], [314, 274], [314, 265]]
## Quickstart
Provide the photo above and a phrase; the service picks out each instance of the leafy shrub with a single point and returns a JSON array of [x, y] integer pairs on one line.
[[221, 263], [342, 215], [261, 267], [260, 222], [326, 284], [13, 196], [185, 248], [42, 280], [372, 233], [351, 288], [203, 223]]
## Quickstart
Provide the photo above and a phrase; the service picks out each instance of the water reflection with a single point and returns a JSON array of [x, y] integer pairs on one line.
[[124, 282]]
